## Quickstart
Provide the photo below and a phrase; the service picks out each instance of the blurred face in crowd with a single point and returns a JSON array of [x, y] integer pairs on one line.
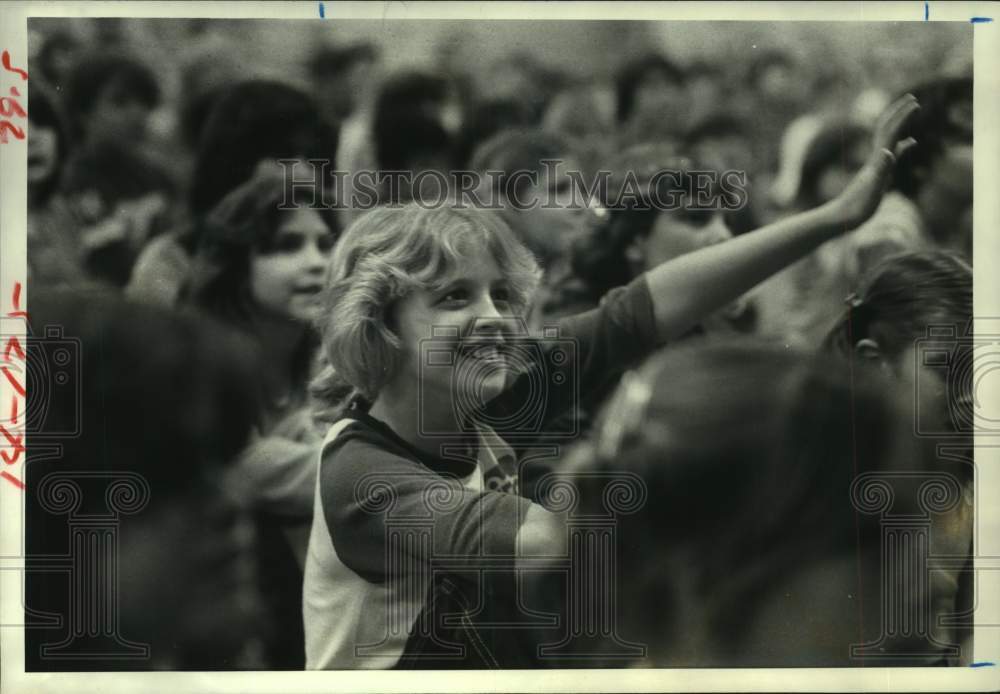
[[360, 75], [510, 82], [725, 152], [118, 114], [336, 100], [450, 113], [467, 317], [287, 276], [340, 95], [659, 97], [559, 216], [960, 118], [446, 112], [358, 82], [781, 82], [705, 87], [945, 199], [43, 152], [656, 93], [676, 233], [835, 177], [62, 60], [704, 92]]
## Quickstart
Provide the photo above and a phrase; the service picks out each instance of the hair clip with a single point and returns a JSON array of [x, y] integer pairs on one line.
[[853, 300]]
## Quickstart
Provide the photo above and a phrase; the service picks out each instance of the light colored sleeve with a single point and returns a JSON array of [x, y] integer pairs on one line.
[[277, 476], [159, 272]]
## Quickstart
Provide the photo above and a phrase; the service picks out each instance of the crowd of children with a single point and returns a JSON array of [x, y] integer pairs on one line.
[[378, 413]]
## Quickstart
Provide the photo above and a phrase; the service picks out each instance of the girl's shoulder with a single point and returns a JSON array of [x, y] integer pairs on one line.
[[352, 432], [359, 445], [363, 467]]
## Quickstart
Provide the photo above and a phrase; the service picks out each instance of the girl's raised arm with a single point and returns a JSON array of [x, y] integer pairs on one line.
[[690, 287]]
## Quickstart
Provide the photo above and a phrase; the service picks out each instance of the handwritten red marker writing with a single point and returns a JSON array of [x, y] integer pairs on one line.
[[12, 351], [10, 107], [6, 66], [13, 438]]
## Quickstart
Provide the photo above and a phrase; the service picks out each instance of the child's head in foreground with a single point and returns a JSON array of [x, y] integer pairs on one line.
[[403, 275], [749, 536], [911, 307]]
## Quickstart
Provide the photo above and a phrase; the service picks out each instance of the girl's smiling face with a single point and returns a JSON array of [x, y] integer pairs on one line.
[[286, 278], [453, 337]]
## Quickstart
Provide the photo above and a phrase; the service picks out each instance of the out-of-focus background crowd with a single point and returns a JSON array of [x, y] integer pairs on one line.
[[147, 145], [789, 104]]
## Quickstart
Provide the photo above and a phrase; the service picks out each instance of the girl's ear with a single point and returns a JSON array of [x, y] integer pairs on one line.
[[869, 350]]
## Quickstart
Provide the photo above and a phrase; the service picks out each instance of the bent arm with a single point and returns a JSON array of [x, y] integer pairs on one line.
[[278, 476], [688, 288]]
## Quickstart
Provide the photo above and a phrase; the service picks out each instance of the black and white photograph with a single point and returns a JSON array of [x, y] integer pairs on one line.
[[623, 347]]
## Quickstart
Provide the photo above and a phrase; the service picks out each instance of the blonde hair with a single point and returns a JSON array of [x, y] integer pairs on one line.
[[384, 256]]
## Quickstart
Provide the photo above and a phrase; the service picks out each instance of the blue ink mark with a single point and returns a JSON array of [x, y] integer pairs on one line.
[[985, 663], [981, 20], [927, 10], [322, 11]]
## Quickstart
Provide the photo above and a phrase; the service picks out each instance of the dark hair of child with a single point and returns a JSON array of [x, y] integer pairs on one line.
[[406, 128], [99, 71], [747, 454], [513, 150], [486, 119], [251, 121], [905, 295], [45, 109], [243, 223], [937, 124]]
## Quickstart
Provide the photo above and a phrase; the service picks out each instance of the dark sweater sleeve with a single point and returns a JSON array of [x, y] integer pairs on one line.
[[586, 354], [611, 338], [383, 510]]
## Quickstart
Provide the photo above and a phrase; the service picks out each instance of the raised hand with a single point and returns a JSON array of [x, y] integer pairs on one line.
[[862, 196]]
